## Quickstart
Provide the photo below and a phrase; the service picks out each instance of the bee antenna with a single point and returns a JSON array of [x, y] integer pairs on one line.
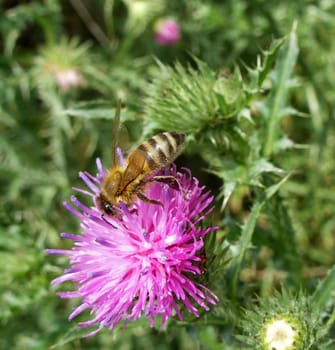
[[116, 125]]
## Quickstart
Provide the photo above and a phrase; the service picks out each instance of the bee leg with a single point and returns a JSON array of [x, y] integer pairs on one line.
[[106, 221], [169, 180], [133, 211], [144, 198]]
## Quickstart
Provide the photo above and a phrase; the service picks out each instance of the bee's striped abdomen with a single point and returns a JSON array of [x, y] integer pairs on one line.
[[162, 149]]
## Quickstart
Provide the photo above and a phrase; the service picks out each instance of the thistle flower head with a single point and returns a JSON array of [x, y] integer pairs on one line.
[[167, 32], [68, 78], [142, 262], [283, 322], [141, 13], [61, 64], [280, 335]]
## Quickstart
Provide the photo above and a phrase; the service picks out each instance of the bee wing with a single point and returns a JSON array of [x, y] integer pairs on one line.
[[135, 166]]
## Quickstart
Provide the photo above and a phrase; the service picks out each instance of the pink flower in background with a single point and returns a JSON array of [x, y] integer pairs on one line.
[[167, 32], [143, 262]]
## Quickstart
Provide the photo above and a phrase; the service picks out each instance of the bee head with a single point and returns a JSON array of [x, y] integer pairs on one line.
[[105, 206]]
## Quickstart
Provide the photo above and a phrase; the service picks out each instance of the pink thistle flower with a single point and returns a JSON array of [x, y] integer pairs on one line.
[[69, 78], [167, 32], [143, 262]]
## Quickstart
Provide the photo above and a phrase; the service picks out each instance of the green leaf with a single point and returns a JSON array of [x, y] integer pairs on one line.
[[283, 240], [226, 193], [96, 110], [259, 167], [73, 333], [230, 94], [84, 113], [248, 230], [281, 84], [324, 295], [264, 66]]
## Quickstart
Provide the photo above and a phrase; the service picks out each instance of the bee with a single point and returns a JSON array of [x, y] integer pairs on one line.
[[128, 182]]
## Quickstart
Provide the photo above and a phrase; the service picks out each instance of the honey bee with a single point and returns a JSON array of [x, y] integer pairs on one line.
[[126, 183]]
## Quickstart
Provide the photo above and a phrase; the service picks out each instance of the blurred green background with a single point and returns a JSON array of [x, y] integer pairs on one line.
[[63, 65]]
